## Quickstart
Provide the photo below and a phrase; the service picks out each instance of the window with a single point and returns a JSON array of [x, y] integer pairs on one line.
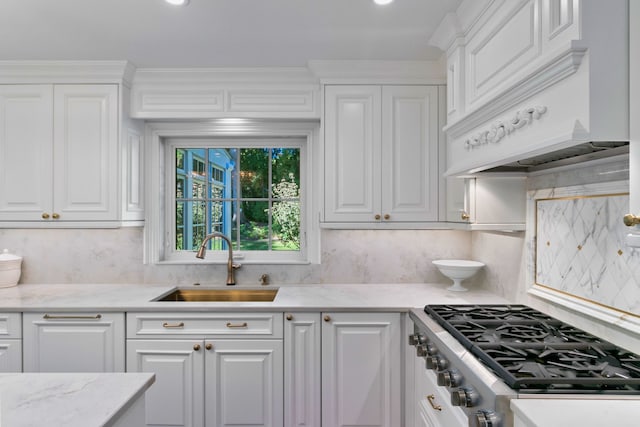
[[251, 190]]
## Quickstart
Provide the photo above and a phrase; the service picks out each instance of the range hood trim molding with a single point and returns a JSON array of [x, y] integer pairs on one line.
[[563, 64]]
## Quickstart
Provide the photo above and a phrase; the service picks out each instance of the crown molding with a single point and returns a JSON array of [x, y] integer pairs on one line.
[[14, 71], [226, 76], [380, 72], [448, 31]]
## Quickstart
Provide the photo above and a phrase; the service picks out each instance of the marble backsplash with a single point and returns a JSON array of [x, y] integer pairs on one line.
[[348, 256], [580, 248]]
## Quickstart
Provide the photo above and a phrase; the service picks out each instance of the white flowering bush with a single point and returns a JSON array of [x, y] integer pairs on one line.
[[286, 212]]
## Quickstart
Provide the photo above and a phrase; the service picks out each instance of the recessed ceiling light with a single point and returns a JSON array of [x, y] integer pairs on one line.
[[382, 2], [178, 2]]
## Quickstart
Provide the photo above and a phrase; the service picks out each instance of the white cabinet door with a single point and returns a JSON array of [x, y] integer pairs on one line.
[[409, 153], [86, 152], [26, 128], [10, 355], [243, 385], [176, 398], [352, 153], [381, 154], [73, 342], [361, 369], [302, 370]]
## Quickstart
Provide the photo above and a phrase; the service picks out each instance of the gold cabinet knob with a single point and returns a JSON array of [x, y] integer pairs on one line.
[[377, 217], [464, 216], [208, 346], [289, 317], [387, 217], [630, 220], [45, 216], [327, 318], [196, 347], [55, 216]]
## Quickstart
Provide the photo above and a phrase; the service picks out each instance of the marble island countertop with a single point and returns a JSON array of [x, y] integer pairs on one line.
[[69, 400], [129, 297]]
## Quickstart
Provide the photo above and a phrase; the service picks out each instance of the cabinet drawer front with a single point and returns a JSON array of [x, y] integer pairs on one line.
[[149, 325], [73, 342], [10, 325]]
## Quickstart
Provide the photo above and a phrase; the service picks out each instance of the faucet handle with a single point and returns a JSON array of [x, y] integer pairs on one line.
[[236, 266], [264, 279]]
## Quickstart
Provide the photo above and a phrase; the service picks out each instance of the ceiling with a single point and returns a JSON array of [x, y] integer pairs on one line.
[[219, 33]]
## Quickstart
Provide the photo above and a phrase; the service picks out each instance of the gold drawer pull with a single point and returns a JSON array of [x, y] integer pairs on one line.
[[71, 317], [237, 325], [431, 398], [174, 325]]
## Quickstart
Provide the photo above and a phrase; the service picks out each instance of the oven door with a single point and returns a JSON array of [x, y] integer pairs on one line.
[[433, 402]]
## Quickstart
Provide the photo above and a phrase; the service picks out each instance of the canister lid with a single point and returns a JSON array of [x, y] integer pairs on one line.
[[6, 256]]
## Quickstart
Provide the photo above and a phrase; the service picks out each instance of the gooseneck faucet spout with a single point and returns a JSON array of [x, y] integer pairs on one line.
[[231, 280]]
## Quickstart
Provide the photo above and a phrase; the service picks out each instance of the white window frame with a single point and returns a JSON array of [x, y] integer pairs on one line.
[[159, 246]]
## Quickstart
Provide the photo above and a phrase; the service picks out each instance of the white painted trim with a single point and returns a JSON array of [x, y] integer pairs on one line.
[[596, 311], [559, 66], [225, 76], [155, 132], [380, 72], [448, 32], [13, 72]]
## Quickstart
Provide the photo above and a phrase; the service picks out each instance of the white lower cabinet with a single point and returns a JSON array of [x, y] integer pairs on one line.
[[10, 342], [243, 383], [73, 342], [361, 369], [224, 379], [302, 370], [176, 398]]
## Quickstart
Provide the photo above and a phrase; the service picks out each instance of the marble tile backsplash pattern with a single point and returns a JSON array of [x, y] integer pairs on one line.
[[348, 256], [580, 249]]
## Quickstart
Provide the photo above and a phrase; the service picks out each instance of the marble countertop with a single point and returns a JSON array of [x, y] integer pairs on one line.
[[577, 412], [70, 400], [136, 297]]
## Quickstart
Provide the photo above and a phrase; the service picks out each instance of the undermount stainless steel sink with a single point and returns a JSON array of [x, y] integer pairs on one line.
[[213, 295]]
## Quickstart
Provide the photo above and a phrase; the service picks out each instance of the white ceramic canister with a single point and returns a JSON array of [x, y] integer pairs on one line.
[[9, 269]]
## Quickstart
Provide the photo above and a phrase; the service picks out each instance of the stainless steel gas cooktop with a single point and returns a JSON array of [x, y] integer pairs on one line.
[[535, 353]]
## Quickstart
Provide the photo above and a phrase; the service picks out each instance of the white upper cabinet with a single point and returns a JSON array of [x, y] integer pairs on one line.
[[527, 77], [85, 157], [26, 149], [59, 149], [381, 154], [70, 155]]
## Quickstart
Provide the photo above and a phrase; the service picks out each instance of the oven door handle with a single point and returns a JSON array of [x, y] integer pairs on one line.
[[431, 398]]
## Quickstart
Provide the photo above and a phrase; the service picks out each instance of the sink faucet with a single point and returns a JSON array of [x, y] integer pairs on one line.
[[230, 265]]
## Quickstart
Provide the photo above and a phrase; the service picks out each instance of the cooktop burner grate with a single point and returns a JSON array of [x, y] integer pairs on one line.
[[534, 352]]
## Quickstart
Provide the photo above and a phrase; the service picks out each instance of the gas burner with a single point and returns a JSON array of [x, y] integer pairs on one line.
[[530, 350]]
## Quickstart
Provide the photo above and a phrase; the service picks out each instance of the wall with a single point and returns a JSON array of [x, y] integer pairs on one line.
[[348, 256], [511, 257]]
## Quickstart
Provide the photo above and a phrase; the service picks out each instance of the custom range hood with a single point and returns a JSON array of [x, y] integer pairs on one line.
[[534, 85]]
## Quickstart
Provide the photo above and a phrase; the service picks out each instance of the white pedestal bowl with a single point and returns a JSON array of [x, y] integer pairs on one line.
[[458, 270]]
